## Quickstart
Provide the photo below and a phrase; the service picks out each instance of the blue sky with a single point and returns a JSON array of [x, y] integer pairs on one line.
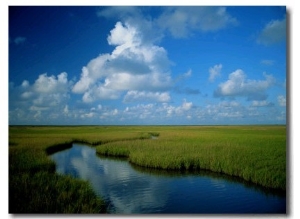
[[147, 65]]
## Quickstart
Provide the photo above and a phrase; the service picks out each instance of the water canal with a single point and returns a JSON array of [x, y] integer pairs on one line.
[[129, 189]]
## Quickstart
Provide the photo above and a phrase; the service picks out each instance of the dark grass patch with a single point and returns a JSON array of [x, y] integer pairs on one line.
[[44, 192]]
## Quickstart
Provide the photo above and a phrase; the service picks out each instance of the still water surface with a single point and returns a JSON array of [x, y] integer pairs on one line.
[[129, 189]]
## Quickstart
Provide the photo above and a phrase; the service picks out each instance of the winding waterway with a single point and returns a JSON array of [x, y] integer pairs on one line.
[[129, 189]]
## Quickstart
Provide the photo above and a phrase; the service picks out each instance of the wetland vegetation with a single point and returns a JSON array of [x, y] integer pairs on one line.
[[254, 153]]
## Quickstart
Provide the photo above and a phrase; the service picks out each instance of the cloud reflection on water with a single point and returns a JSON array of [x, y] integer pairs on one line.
[[131, 190], [116, 181]]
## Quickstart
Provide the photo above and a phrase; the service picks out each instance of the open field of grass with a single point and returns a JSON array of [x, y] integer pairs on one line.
[[254, 153]]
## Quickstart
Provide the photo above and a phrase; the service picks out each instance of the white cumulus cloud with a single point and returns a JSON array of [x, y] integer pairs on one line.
[[46, 98], [238, 85], [186, 105], [179, 110], [123, 35], [132, 65], [90, 73], [51, 84], [142, 96]]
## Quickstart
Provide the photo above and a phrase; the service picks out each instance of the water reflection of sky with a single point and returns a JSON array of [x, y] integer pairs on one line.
[[127, 190], [123, 189]]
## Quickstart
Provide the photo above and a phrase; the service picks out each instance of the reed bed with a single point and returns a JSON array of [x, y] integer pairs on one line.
[[34, 187], [254, 153]]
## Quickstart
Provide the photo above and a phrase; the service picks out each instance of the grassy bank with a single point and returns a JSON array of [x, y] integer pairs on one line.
[[255, 153], [34, 187]]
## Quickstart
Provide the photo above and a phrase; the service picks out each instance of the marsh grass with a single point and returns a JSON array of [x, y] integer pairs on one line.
[[46, 192], [34, 187], [254, 153]]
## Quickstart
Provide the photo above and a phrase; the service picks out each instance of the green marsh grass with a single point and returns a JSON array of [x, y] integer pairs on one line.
[[34, 187], [254, 153], [46, 192]]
